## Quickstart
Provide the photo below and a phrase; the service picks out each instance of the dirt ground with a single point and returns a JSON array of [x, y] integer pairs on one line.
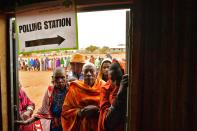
[[35, 84]]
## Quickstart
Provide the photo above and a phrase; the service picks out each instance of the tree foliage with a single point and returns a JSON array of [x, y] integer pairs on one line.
[[91, 48], [104, 50]]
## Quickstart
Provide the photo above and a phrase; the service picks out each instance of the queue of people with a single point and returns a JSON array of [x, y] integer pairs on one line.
[[43, 63], [84, 99], [48, 63]]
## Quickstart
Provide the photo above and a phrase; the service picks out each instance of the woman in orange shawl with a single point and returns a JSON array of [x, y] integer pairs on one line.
[[104, 69], [80, 110], [113, 99]]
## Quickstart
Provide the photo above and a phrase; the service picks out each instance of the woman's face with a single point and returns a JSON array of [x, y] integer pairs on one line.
[[105, 68], [60, 80], [115, 72]]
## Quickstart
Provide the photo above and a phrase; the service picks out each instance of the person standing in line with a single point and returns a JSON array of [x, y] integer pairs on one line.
[[52, 103], [80, 110], [62, 62], [97, 62], [77, 61], [92, 59], [58, 64], [104, 69], [113, 100], [86, 59], [26, 108]]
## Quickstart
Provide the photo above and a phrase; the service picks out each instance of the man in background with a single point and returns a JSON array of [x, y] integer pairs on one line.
[[77, 61]]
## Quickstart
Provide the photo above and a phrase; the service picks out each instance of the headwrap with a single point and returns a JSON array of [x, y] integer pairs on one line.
[[100, 70], [121, 62]]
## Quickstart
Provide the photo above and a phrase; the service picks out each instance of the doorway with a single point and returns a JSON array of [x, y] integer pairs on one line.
[[119, 50]]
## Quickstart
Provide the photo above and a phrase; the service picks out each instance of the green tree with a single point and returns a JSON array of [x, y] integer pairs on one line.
[[104, 50], [91, 48]]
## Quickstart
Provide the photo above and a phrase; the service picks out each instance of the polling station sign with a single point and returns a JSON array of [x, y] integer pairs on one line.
[[45, 28]]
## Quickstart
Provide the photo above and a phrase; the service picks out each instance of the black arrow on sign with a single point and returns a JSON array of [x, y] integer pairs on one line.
[[46, 41]]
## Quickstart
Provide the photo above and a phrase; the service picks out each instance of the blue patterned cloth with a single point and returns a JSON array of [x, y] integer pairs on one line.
[[56, 109]]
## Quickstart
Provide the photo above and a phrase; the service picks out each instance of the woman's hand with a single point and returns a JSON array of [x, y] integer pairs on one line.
[[20, 122], [27, 114], [122, 92], [26, 122]]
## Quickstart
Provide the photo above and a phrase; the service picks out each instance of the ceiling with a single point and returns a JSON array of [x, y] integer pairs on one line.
[[9, 5]]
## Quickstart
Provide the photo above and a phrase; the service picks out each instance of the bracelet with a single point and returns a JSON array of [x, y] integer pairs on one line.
[[30, 108]]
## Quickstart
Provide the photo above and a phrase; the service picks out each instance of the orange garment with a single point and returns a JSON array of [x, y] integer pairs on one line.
[[108, 95], [79, 96]]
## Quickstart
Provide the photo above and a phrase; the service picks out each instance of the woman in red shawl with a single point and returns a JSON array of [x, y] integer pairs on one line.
[[26, 108], [113, 99]]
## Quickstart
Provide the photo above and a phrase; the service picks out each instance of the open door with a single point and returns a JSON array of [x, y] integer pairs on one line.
[[12, 76], [128, 66]]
